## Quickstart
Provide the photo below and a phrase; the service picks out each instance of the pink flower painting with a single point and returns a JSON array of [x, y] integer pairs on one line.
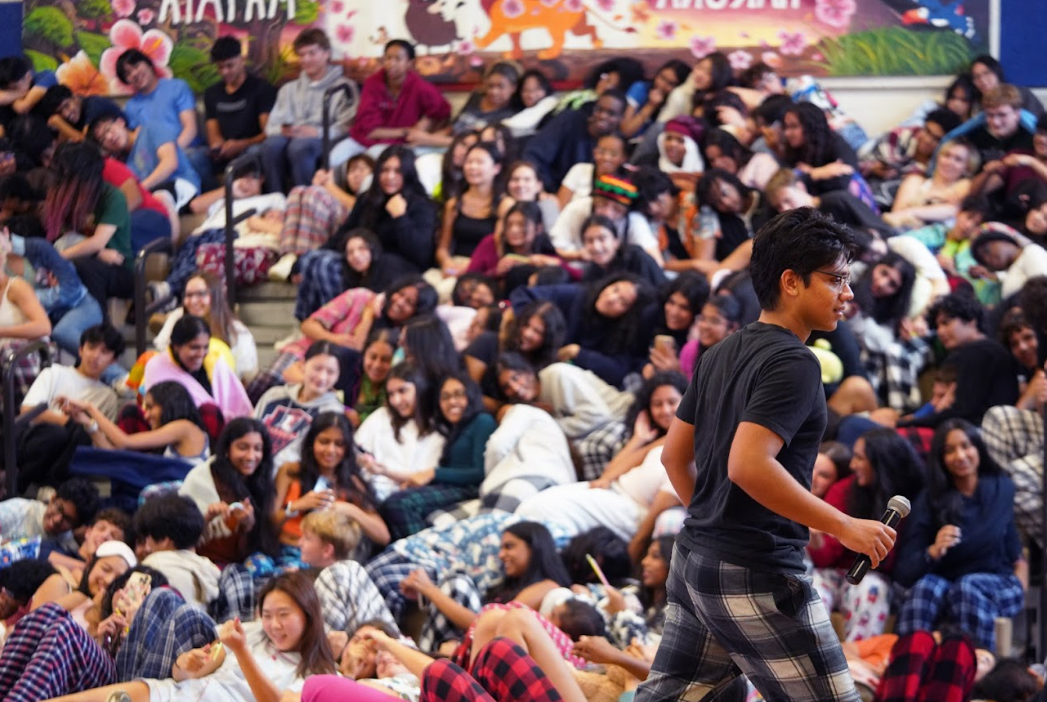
[[512, 8], [605, 5], [573, 5], [835, 13], [81, 76], [666, 30], [345, 33], [123, 8], [740, 60], [793, 43], [125, 35], [702, 46], [146, 16]]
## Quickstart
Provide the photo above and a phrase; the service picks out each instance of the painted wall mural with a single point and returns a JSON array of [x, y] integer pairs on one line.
[[81, 39]]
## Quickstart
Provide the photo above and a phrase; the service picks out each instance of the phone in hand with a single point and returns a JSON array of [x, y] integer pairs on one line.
[[665, 343]]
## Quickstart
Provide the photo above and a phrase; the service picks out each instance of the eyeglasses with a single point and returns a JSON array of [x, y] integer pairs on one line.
[[453, 395], [842, 280]]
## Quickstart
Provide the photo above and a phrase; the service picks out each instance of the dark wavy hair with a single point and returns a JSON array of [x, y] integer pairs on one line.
[[427, 296], [817, 147], [722, 77], [609, 550], [423, 413], [431, 347], [626, 329], [175, 402], [545, 563], [728, 146], [317, 658], [897, 468], [452, 181], [642, 403], [945, 500], [553, 338], [348, 481], [695, 289], [888, 311], [665, 550], [78, 186], [474, 406], [374, 199], [538, 75], [258, 486]]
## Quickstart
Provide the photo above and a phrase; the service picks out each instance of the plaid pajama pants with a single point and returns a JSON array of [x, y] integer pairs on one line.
[[437, 627], [311, 217], [725, 620], [405, 511], [921, 670], [502, 671], [321, 281], [386, 571], [1014, 439], [973, 602], [48, 655]]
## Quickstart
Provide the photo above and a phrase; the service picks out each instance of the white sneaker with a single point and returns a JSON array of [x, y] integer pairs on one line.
[[287, 340], [280, 271]]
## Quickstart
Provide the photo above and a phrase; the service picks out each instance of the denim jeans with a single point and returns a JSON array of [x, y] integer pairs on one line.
[[298, 156]]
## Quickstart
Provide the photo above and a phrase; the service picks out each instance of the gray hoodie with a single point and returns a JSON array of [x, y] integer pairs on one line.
[[300, 103]]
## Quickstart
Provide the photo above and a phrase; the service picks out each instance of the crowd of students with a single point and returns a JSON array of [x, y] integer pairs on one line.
[[497, 315]]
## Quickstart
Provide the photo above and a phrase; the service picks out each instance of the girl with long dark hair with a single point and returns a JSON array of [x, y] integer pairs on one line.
[[960, 552], [826, 159], [466, 427], [883, 465], [603, 322], [401, 436], [396, 208], [326, 477], [234, 491], [531, 567], [471, 216]]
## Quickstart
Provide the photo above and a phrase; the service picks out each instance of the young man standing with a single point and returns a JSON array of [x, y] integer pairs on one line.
[[294, 132], [238, 108], [741, 451]]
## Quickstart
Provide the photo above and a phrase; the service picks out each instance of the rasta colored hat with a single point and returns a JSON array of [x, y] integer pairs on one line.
[[615, 188]]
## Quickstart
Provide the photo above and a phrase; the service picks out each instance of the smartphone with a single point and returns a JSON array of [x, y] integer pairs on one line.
[[136, 590], [322, 484], [665, 343]]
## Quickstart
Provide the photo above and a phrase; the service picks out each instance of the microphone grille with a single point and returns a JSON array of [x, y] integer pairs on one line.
[[900, 505]]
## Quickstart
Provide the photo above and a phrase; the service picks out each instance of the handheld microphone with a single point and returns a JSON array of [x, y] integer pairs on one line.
[[897, 509]]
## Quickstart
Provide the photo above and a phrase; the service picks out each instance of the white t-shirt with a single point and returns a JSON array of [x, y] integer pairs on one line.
[[644, 481], [228, 684], [579, 180], [63, 381], [260, 203], [412, 453]]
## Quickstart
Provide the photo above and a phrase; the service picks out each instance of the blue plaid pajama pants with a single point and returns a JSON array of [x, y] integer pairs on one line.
[[973, 602], [405, 511], [48, 655], [725, 620]]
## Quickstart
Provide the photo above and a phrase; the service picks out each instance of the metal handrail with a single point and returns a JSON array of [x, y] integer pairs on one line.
[[346, 88], [12, 422], [234, 167], [142, 310]]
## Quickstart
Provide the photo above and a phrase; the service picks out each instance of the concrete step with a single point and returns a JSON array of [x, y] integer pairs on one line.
[[269, 313], [266, 291]]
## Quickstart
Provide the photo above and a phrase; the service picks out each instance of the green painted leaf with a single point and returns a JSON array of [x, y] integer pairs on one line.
[[93, 45], [50, 24], [41, 62], [306, 11], [94, 9]]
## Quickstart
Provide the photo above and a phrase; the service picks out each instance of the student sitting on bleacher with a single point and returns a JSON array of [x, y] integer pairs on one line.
[[204, 372], [73, 504], [238, 107], [960, 552], [46, 448], [293, 132]]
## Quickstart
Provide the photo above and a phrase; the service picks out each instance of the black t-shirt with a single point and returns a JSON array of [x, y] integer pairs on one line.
[[238, 113], [484, 348], [762, 374], [991, 148]]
